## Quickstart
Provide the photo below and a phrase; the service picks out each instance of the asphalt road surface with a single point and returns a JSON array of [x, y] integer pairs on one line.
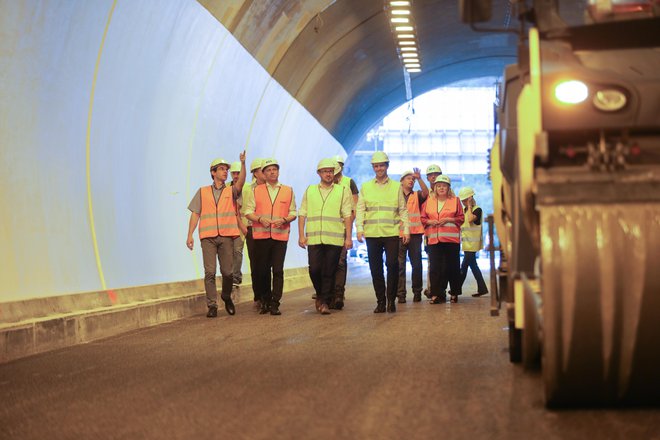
[[425, 372]]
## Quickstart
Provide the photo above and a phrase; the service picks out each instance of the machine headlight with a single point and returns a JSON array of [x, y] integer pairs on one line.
[[609, 100], [571, 92]]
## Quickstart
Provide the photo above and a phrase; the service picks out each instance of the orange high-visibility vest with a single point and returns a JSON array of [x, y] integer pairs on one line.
[[218, 218], [414, 215], [277, 209], [447, 233]]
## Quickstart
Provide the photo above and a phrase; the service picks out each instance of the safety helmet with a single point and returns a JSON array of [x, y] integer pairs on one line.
[[217, 162], [405, 174], [433, 168], [269, 162], [465, 192], [442, 179], [379, 157], [256, 164], [326, 163], [235, 167], [338, 167], [339, 159]]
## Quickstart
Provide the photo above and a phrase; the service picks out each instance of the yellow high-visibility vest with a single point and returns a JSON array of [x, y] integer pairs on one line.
[[471, 234], [324, 222], [381, 217]]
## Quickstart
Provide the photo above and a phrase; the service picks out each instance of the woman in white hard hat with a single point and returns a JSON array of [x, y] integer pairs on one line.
[[442, 216], [471, 239]]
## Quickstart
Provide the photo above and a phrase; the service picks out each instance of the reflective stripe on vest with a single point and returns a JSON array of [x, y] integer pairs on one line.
[[447, 233], [471, 235], [414, 216], [324, 222], [381, 217], [274, 210], [217, 218]]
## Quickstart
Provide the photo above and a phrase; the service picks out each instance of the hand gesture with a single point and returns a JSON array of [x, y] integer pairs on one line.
[[242, 156], [417, 173]]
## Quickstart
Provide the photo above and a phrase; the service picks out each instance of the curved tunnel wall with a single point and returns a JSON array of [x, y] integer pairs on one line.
[[110, 114]]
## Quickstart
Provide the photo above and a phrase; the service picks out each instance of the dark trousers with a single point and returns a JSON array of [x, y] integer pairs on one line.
[[375, 248], [445, 268], [340, 276], [222, 249], [253, 267], [470, 260], [414, 251], [323, 260], [270, 257]]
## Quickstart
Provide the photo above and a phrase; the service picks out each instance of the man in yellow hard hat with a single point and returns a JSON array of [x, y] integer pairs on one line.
[[271, 211], [247, 196], [214, 208], [326, 210], [342, 268], [381, 208], [239, 243], [471, 239]]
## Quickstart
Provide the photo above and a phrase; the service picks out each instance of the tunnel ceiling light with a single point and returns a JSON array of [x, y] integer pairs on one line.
[[409, 49], [413, 66], [400, 20], [405, 36], [400, 3], [408, 55], [410, 61], [400, 12], [414, 70], [406, 43], [404, 28]]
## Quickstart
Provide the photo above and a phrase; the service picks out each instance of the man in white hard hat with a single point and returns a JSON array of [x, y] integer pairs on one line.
[[239, 243], [326, 210], [471, 239], [413, 249], [381, 208], [247, 195], [214, 208], [271, 211], [342, 268]]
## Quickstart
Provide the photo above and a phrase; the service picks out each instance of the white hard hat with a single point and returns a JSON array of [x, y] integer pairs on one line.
[[433, 168], [268, 162], [339, 159], [405, 174], [442, 179], [326, 163], [217, 162], [338, 167], [235, 167], [256, 164], [465, 192], [379, 157]]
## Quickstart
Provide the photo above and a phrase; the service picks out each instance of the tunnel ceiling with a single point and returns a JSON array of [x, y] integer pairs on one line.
[[338, 57]]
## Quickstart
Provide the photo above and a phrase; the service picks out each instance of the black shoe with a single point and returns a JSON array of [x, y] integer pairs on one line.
[[229, 307], [477, 295], [212, 313], [338, 305], [402, 300], [264, 309], [439, 300], [417, 297], [275, 311], [324, 309], [454, 299], [391, 307], [380, 308]]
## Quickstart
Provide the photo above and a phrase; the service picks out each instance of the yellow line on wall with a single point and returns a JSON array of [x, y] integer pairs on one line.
[[87, 142]]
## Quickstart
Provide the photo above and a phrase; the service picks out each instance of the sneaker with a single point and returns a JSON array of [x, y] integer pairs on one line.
[[212, 313], [274, 310]]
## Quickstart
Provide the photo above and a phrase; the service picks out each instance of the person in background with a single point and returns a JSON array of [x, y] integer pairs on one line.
[[413, 249], [239, 243], [342, 269], [214, 208], [442, 216], [381, 208], [247, 195], [326, 210], [271, 211], [471, 239], [432, 173]]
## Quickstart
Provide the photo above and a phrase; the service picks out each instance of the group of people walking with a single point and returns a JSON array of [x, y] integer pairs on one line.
[[393, 219]]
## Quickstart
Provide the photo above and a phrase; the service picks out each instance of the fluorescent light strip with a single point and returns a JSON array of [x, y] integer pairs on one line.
[[408, 49], [403, 28], [400, 20], [414, 70], [404, 36], [400, 12], [406, 43], [399, 3]]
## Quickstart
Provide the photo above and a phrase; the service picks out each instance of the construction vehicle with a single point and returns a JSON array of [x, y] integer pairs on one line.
[[575, 170]]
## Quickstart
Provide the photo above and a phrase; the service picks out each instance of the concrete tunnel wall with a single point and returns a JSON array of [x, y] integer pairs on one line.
[[110, 113]]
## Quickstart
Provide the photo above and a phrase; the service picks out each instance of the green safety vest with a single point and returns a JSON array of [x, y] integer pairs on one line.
[[471, 235], [324, 222], [381, 217]]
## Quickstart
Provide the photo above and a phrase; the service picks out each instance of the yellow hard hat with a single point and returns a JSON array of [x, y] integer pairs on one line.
[[339, 159], [235, 167], [379, 157], [217, 162], [442, 179], [338, 167], [326, 163], [268, 162], [256, 164], [433, 168], [465, 192], [405, 174]]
